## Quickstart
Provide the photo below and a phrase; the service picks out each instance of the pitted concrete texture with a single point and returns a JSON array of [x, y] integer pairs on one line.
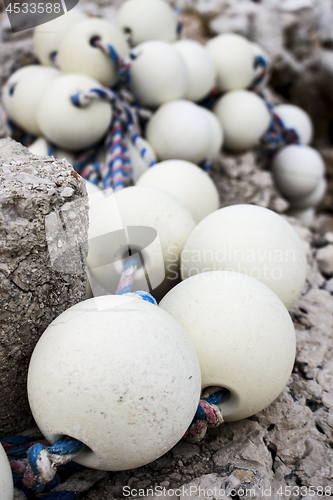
[[43, 247]]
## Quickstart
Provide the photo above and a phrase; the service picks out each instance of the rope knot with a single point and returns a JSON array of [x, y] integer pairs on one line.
[[208, 414]]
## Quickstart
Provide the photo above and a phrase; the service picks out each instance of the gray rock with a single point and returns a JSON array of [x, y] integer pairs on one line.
[[325, 260], [42, 264]]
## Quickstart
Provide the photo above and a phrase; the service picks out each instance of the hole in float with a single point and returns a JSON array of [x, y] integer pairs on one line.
[[53, 56], [93, 40], [132, 252]]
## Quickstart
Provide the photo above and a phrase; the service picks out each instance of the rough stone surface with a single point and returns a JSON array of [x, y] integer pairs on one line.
[[43, 246]]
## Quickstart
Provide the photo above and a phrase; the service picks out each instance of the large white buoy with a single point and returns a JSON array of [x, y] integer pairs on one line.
[[181, 130], [251, 240], [244, 118], [66, 125], [78, 54], [200, 69], [233, 57], [8, 90], [47, 36], [187, 182], [6, 477], [158, 73], [296, 118], [118, 374], [243, 335], [297, 170], [138, 219], [143, 20], [27, 96]]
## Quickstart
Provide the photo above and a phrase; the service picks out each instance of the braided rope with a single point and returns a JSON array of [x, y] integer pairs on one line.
[[116, 170], [277, 135]]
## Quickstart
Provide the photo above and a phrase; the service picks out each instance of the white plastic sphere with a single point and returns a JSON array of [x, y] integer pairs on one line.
[[187, 182], [200, 68], [259, 51], [138, 164], [110, 372], [180, 130], [296, 118], [297, 170], [250, 240], [77, 54], [158, 73], [243, 335], [233, 58], [305, 216], [312, 199], [67, 125], [145, 20], [217, 134], [27, 96], [8, 90], [244, 118], [157, 224], [6, 477], [47, 36]]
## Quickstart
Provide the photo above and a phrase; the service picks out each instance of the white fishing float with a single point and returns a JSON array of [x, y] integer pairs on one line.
[[158, 73], [66, 125], [297, 170], [251, 240], [234, 58], [296, 118], [6, 477], [138, 219], [187, 182], [181, 130], [78, 52], [243, 336], [47, 36], [244, 118], [143, 20]]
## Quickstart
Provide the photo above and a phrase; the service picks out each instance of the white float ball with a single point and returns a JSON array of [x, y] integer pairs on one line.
[[77, 54], [6, 477], [144, 20], [251, 240], [233, 58], [297, 170], [187, 182], [66, 125], [118, 374], [157, 224], [296, 118], [180, 130], [8, 90], [243, 335], [306, 216], [47, 36], [27, 96], [138, 164], [312, 199], [158, 73], [200, 68], [244, 118]]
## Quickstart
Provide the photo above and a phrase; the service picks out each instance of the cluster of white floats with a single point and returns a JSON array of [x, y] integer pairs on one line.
[[118, 373]]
